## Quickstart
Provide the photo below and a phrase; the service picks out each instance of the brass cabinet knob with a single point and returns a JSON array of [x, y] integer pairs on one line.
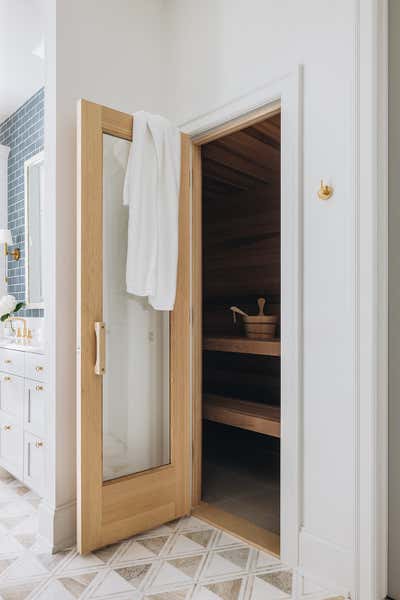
[[6, 378], [39, 368], [39, 444], [8, 361], [7, 427], [39, 388]]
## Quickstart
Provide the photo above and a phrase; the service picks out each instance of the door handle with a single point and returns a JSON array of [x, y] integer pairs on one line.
[[100, 331]]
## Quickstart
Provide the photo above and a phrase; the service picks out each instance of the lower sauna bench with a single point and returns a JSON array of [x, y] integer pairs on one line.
[[253, 416]]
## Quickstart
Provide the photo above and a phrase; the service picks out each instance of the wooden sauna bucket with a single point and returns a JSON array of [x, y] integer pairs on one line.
[[258, 327]]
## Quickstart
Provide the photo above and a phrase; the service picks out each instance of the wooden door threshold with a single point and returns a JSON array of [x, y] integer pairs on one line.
[[241, 528]]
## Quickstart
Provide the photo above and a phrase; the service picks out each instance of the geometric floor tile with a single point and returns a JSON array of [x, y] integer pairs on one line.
[[25, 566], [134, 574], [22, 490], [262, 590], [202, 538], [10, 522], [237, 556], [186, 559], [154, 545], [136, 551], [227, 590], [169, 575], [107, 553], [221, 563], [202, 593], [18, 591], [191, 542], [5, 563], [77, 584], [162, 530], [9, 545], [192, 523], [266, 560], [54, 590], [279, 579], [26, 539], [83, 562], [224, 539], [189, 565], [27, 525], [51, 561], [112, 584], [181, 594]]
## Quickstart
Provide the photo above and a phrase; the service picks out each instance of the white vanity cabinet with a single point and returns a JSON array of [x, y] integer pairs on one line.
[[23, 415]]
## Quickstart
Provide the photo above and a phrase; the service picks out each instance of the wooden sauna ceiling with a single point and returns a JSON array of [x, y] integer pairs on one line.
[[244, 160]]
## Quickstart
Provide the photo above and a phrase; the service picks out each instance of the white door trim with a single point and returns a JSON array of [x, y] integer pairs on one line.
[[288, 91], [371, 197]]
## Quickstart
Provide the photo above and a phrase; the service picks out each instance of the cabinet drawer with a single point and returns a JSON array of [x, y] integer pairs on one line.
[[11, 451], [34, 462], [11, 394], [12, 361], [36, 367], [35, 406]]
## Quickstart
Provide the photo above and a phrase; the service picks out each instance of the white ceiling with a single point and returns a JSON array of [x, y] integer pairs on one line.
[[21, 72]]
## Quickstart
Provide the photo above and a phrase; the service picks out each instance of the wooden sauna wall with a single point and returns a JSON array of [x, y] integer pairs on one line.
[[241, 252]]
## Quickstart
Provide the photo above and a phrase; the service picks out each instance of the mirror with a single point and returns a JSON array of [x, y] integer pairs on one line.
[[34, 181]]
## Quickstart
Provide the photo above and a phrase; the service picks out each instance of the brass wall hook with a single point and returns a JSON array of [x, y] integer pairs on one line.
[[325, 191]]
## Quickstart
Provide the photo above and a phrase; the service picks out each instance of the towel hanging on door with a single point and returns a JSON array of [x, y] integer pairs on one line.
[[151, 191]]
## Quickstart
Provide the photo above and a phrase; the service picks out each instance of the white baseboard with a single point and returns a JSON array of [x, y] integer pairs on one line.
[[57, 525], [325, 563]]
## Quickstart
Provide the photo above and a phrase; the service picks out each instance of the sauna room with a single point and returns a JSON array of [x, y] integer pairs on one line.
[[241, 283]]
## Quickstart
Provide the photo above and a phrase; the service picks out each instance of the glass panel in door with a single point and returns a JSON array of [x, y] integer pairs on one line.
[[135, 388]]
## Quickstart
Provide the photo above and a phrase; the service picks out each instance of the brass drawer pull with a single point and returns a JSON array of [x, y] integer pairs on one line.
[[7, 427], [39, 388], [6, 378], [38, 369], [39, 444], [8, 361]]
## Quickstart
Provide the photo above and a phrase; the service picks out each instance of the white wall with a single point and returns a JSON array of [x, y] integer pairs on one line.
[[109, 53], [21, 71], [220, 50], [184, 58]]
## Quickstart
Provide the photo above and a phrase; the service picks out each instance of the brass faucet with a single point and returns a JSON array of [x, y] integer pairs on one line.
[[25, 330]]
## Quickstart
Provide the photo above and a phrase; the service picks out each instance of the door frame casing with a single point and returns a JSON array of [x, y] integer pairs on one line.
[[285, 95]]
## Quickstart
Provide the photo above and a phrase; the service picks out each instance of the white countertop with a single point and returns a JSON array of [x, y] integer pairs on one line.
[[8, 345]]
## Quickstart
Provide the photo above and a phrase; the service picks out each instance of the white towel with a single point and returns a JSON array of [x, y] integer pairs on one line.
[[151, 190]]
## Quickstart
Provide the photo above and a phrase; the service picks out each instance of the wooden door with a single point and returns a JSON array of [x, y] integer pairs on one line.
[[143, 480]]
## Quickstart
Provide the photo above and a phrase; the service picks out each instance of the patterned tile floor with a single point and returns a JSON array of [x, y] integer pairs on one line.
[[183, 560]]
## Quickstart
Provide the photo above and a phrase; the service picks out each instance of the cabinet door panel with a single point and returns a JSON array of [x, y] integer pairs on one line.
[[11, 394], [36, 367], [34, 462], [11, 453]]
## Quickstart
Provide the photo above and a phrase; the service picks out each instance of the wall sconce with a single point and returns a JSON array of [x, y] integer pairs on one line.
[[6, 239]]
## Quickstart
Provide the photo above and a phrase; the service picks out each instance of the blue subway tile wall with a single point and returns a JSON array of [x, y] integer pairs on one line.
[[23, 132]]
